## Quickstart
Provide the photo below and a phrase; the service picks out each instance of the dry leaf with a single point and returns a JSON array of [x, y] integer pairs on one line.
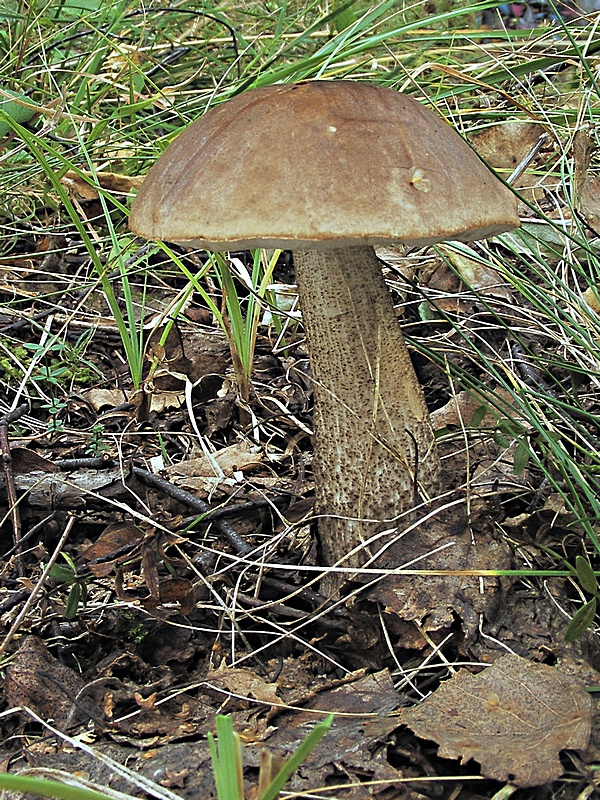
[[101, 398], [83, 184], [150, 572], [592, 294], [480, 277], [243, 682], [443, 544], [39, 681], [504, 147], [587, 185], [236, 457], [171, 591], [356, 745], [514, 718], [225, 468], [584, 145], [465, 408], [25, 461], [115, 541], [162, 401], [589, 202]]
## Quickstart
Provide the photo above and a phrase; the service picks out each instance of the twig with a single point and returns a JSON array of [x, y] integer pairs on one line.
[[240, 546], [11, 492], [246, 507], [520, 168], [92, 462], [31, 532]]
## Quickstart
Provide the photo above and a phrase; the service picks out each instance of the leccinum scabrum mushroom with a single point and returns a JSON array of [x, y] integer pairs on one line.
[[328, 169]]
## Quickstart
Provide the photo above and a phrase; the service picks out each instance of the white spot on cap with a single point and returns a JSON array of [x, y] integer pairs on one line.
[[419, 180]]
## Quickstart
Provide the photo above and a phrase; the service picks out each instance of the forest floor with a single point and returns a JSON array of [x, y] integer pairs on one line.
[[161, 563]]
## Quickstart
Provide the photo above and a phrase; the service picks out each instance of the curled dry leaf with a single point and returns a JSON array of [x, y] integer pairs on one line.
[[84, 183], [100, 399], [514, 718], [223, 468], [239, 456], [479, 276]]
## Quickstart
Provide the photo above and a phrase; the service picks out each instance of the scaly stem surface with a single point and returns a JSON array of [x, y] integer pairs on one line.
[[375, 454]]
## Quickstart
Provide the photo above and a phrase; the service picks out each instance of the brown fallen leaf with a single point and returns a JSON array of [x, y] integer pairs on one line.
[[102, 398], [443, 543], [242, 682], [39, 681], [354, 750], [514, 718], [236, 457], [589, 201], [25, 461], [116, 540], [586, 184], [470, 409], [205, 474], [592, 293], [505, 145], [479, 276], [84, 183], [173, 590]]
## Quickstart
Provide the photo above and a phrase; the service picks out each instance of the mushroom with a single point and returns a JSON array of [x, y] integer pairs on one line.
[[328, 169]]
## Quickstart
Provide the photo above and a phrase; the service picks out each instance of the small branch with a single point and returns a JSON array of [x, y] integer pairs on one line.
[[240, 546], [11, 492]]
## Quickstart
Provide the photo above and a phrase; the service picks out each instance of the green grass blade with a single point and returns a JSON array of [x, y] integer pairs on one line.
[[47, 788], [305, 748], [226, 755]]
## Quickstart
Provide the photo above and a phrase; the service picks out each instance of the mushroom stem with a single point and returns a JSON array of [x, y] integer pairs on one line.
[[375, 453]]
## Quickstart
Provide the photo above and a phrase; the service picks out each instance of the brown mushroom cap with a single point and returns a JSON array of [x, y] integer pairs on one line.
[[312, 165]]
